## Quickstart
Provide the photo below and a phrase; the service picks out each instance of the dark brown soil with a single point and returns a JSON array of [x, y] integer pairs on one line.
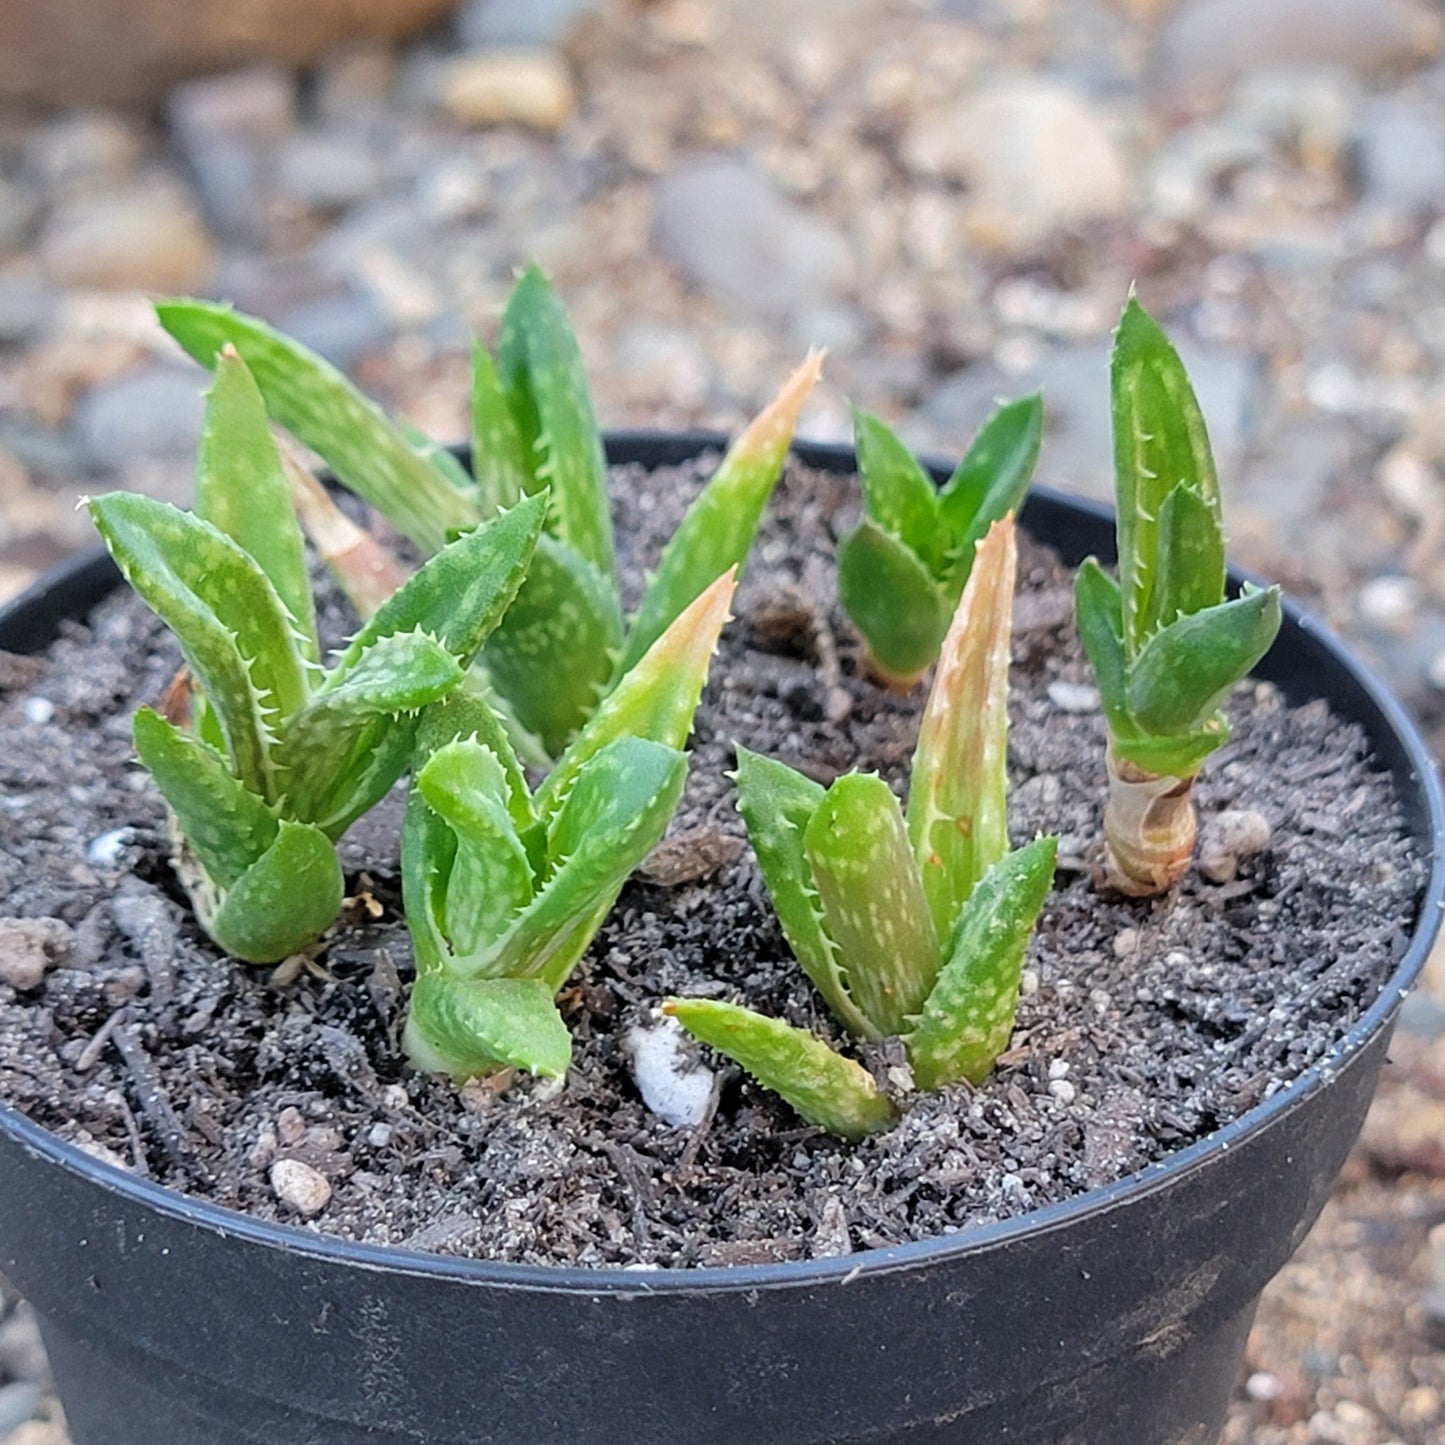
[[1143, 1026]]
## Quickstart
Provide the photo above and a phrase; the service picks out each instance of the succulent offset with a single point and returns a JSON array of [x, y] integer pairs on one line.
[[1165, 645], [902, 571], [505, 888], [278, 755], [563, 645], [911, 925]]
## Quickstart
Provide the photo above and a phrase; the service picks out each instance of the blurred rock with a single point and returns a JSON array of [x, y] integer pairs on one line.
[[519, 85], [84, 147], [342, 327], [725, 224], [80, 50], [1425, 437], [1401, 151], [228, 129], [1203, 46], [148, 236], [19, 206], [149, 411], [353, 80], [27, 302], [19, 1403], [1034, 155], [327, 172], [521, 22]]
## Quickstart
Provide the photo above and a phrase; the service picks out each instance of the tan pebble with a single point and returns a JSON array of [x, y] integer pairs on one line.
[[1126, 942], [300, 1187], [510, 86], [29, 947]]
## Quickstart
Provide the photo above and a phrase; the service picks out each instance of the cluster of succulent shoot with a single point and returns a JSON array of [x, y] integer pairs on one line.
[[507, 648], [504, 888], [268, 758], [562, 645], [1165, 645], [903, 569], [914, 927]]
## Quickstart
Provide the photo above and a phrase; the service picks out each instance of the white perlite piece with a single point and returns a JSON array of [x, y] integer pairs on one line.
[[675, 1088], [1229, 836], [300, 1186]]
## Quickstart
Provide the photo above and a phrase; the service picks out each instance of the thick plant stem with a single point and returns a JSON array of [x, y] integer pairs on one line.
[[1149, 826]]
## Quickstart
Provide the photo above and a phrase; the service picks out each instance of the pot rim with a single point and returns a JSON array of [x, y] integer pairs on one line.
[[86, 573]]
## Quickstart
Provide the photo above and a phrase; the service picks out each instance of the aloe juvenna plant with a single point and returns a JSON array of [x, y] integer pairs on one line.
[[913, 926], [902, 571], [1164, 643], [563, 645], [281, 755], [504, 888]]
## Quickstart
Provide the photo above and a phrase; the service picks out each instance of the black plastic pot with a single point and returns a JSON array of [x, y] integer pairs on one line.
[[1118, 1318]]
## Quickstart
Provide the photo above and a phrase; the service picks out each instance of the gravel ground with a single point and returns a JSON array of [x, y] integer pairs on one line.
[[953, 195]]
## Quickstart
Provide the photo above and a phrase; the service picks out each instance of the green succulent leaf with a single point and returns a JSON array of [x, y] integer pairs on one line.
[[1179, 756], [613, 817], [475, 1026], [657, 697], [490, 879], [315, 402], [777, 805], [466, 714], [460, 595], [990, 481], [828, 1090], [1186, 668], [233, 630], [958, 794], [540, 368], [894, 601], [1160, 442], [552, 655], [227, 826], [284, 901], [1101, 629], [717, 532], [499, 458], [1191, 559], [241, 490], [900, 496], [968, 1018], [873, 902], [331, 749]]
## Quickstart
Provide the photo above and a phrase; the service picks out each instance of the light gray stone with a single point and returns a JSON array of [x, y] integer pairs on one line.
[[1401, 151], [300, 1187], [27, 303], [726, 226], [342, 327], [1203, 46], [19, 1403], [228, 128], [19, 206], [85, 147], [1034, 153], [328, 172], [521, 22], [149, 411]]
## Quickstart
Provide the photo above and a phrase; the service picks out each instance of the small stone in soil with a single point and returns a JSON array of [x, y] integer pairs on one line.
[[300, 1187]]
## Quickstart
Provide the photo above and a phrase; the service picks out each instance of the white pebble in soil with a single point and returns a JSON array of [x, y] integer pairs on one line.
[[300, 1187], [676, 1089]]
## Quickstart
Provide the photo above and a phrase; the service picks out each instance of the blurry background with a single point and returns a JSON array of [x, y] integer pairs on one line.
[[952, 195]]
